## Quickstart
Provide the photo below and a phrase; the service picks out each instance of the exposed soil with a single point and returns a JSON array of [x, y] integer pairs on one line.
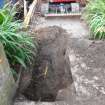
[[87, 63], [51, 71]]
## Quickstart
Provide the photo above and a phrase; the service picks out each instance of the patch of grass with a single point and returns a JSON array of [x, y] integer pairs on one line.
[[95, 16]]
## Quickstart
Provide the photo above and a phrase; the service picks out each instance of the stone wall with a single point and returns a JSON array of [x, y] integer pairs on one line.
[[6, 80]]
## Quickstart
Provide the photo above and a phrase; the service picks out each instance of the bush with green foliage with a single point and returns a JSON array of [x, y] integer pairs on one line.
[[95, 16], [18, 45]]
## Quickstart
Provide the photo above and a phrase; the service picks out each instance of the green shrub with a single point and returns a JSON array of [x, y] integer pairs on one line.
[[95, 15], [19, 46]]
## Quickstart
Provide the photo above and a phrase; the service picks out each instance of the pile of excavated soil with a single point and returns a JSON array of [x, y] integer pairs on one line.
[[51, 71]]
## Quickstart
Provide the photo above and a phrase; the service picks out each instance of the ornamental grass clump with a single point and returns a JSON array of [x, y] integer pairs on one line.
[[19, 47], [95, 16]]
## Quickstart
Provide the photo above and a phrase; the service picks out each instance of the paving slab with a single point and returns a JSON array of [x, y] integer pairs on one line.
[[87, 60]]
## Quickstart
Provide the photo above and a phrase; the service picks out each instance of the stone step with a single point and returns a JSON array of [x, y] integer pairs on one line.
[[41, 103]]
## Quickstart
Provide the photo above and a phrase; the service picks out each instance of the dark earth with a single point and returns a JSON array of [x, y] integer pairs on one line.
[[51, 71]]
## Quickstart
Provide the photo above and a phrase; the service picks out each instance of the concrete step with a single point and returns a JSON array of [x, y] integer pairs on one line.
[[63, 14], [40, 103]]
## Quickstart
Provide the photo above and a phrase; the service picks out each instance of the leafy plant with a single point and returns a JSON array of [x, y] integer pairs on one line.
[[95, 15], [19, 46]]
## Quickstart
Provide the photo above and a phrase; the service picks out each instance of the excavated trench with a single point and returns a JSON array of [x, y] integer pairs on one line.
[[51, 71]]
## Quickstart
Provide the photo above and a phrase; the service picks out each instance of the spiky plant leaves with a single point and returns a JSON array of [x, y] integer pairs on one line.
[[95, 15], [19, 46]]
